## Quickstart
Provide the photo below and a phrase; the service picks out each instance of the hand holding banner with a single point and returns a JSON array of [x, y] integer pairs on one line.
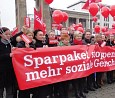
[[44, 66], [25, 39]]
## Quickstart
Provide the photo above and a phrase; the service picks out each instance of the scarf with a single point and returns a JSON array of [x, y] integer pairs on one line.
[[77, 42], [5, 41]]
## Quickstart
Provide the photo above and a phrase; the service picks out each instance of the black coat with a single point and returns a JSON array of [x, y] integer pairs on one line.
[[7, 75], [21, 44], [110, 43], [39, 43], [87, 41]]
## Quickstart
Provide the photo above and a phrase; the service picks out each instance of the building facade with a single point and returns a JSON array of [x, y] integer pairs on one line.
[[85, 16]]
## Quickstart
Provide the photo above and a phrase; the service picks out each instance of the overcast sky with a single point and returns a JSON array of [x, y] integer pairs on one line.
[[61, 4]]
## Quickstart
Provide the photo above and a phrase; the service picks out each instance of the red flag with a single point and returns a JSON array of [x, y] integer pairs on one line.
[[15, 31], [86, 5], [27, 21], [38, 23]]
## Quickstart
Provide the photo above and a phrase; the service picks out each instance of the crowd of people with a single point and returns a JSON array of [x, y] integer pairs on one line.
[[62, 38]]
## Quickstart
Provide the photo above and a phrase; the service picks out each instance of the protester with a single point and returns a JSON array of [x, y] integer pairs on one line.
[[51, 41], [98, 41], [22, 44], [71, 33], [7, 76], [90, 78], [110, 42], [42, 91], [65, 40], [78, 84], [39, 38], [53, 89]]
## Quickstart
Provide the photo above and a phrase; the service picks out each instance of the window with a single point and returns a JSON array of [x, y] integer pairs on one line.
[[72, 21]]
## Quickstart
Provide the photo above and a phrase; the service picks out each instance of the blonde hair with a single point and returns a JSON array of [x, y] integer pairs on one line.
[[97, 36], [29, 31], [51, 31], [77, 33]]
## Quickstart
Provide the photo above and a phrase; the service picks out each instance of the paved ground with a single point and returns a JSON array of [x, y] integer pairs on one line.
[[107, 91]]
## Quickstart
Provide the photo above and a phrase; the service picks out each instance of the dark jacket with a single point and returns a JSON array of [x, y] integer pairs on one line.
[[7, 76], [87, 41], [110, 43], [21, 44], [39, 43]]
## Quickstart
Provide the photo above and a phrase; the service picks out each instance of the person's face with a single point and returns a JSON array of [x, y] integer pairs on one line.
[[64, 31], [92, 39], [88, 35], [112, 37], [78, 37], [99, 38], [71, 31], [65, 41], [51, 35], [103, 37], [40, 36], [6, 35], [30, 36]]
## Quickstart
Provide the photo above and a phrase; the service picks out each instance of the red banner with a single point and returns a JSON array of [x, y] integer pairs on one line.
[[34, 68], [15, 31], [27, 21], [25, 38]]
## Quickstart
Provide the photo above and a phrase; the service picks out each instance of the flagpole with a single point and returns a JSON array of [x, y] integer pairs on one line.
[[89, 20], [101, 22]]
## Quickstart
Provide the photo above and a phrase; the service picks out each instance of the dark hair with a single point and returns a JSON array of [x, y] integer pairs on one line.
[[36, 31], [92, 36], [88, 30], [3, 29], [63, 28]]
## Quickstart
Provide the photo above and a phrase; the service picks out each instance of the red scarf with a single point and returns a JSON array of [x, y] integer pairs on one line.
[[77, 42]]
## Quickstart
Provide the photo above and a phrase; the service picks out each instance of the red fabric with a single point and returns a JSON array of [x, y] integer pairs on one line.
[[77, 42], [34, 68], [27, 21], [99, 42], [38, 23], [53, 41], [86, 5], [25, 39], [15, 31]]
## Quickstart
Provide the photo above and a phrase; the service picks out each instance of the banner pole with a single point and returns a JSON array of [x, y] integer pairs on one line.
[[89, 20]]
